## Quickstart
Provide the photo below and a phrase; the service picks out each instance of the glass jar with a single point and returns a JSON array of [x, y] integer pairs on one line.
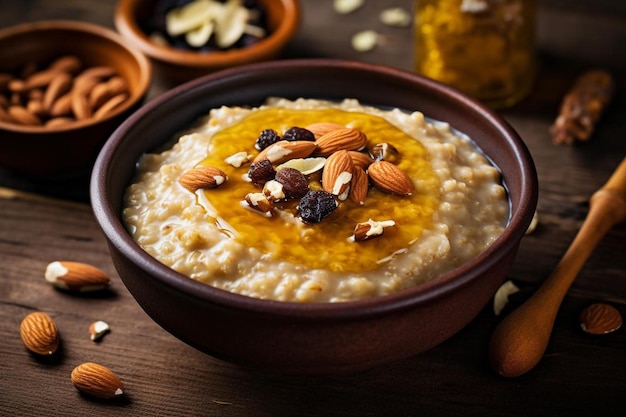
[[484, 48]]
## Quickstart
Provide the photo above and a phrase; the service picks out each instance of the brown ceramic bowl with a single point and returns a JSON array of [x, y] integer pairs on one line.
[[68, 150], [310, 338], [173, 66]]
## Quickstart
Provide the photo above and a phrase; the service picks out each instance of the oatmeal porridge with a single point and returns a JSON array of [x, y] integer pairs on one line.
[[316, 201]]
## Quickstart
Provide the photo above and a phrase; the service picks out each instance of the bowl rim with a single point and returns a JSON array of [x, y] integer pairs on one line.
[[269, 45], [118, 236], [145, 69]]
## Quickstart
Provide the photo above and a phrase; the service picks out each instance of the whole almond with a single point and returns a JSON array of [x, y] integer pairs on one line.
[[117, 85], [344, 138], [321, 128], [99, 94], [59, 85], [284, 150], [359, 186], [41, 78], [110, 105], [39, 333], [63, 106], [360, 159], [76, 276], [80, 106], [36, 107], [600, 318], [99, 72], [83, 84], [59, 121], [67, 63], [97, 381], [202, 177], [389, 178], [337, 174], [22, 116]]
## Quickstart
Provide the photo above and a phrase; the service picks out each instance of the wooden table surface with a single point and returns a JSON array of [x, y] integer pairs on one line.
[[579, 375]]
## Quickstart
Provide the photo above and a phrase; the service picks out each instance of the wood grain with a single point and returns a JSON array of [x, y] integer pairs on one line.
[[579, 375]]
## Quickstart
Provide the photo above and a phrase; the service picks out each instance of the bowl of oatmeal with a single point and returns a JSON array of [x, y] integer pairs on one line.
[[287, 216]]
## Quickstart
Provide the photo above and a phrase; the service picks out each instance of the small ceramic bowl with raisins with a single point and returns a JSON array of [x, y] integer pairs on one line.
[[65, 86], [186, 39], [291, 336]]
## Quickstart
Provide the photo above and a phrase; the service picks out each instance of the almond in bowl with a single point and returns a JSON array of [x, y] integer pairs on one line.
[[316, 201]]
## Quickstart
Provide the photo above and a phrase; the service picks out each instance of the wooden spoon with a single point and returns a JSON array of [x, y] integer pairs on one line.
[[520, 340]]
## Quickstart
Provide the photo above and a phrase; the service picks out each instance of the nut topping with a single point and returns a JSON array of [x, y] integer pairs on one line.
[[321, 128], [337, 174], [274, 191], [283, 151], [259, 202], [385, 152], [359, 186], [344, 138], [389, 178], [202, 177], [370, 229]]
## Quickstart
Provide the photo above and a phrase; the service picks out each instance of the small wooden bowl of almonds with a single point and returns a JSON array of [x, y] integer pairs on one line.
[[64, 88], [190, 38]]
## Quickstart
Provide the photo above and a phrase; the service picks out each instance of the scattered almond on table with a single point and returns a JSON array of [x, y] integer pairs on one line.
[[97, 381], [600, 318], [40, 333], [76, 276]]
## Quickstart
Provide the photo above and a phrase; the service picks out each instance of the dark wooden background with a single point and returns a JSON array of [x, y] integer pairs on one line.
[[580, 375]]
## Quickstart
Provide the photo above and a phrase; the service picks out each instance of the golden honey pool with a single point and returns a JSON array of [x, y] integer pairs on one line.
[[452, 208]]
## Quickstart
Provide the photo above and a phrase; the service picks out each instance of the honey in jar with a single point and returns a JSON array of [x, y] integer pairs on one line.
[[484, 48]]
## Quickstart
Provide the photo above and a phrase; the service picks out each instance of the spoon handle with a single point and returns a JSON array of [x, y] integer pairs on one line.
[[520, 340]]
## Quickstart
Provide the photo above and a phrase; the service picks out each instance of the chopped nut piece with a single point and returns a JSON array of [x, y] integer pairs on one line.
[[385, 152], [533, 224], [501, 298], [274, 191], [97, 329], [370, 229], [395, 16], [347, 6], [259, 202], [238, 159], [365, 40]]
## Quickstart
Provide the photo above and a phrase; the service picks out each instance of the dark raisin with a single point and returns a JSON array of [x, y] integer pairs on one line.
[[316, 205], [266, 138], [261, 172], [298, 133], [295, 184]]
